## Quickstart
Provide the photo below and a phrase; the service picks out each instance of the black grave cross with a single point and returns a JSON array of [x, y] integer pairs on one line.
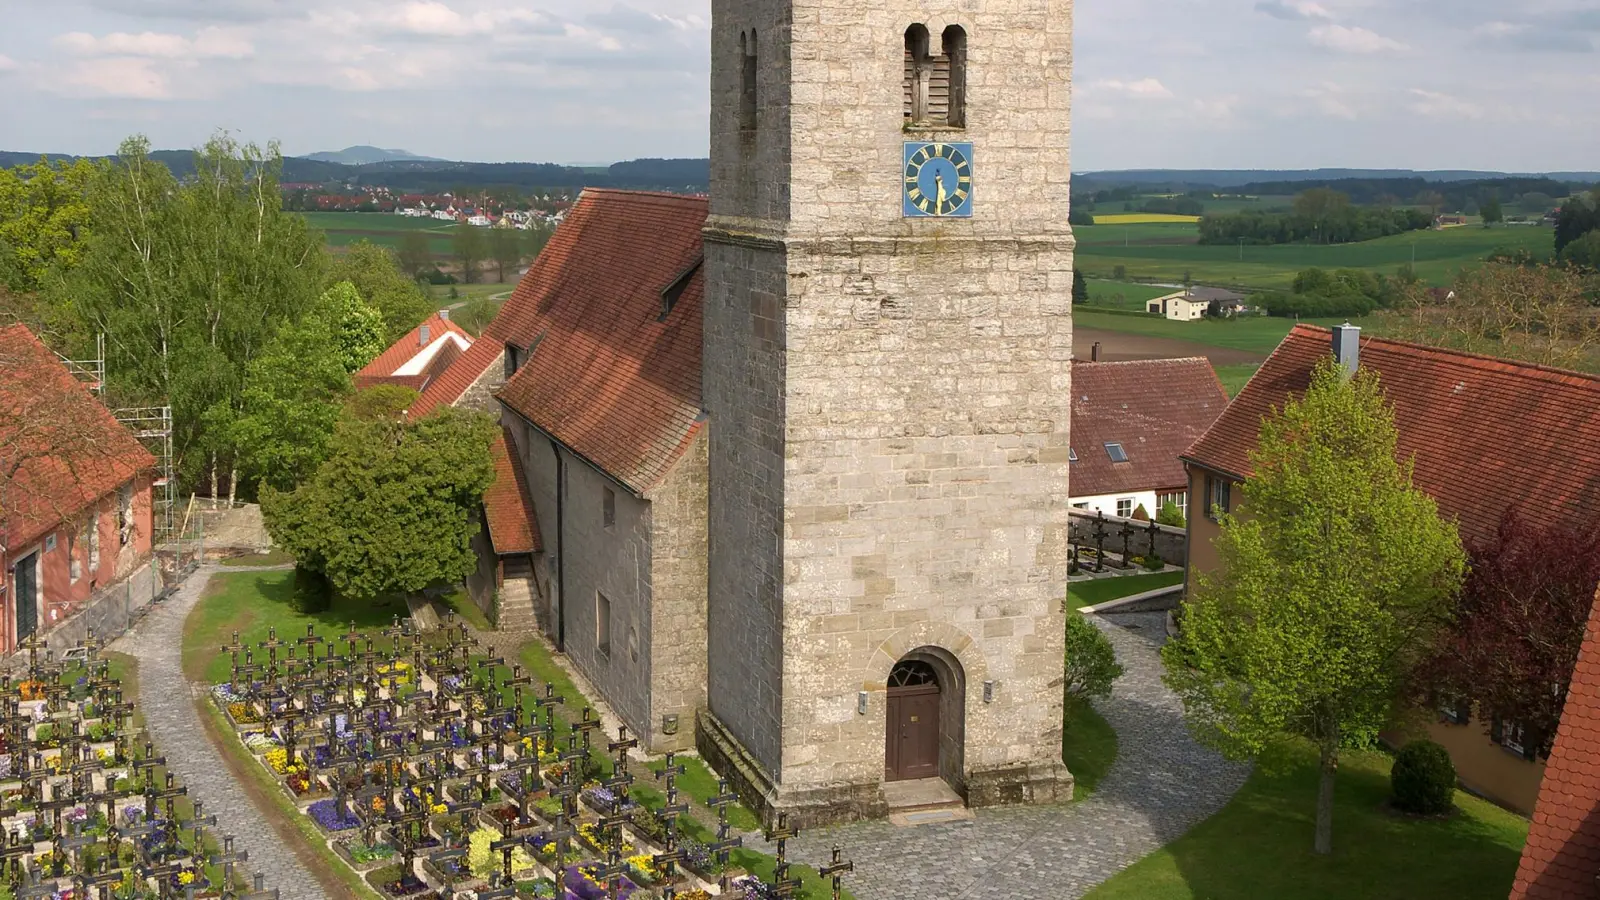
[[548, 703], [782, 884], [724, 842], [836, 870], [228, 858]]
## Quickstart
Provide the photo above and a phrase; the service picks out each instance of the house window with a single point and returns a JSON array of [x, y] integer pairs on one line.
[[1513, 737], [1072, 455], [1117, 454], [935, 88], [94, 543], [1124, 507], [1180, 499], [1455, 712], [50, 543], [609, 508], [602, 624], [1084, 505], [513, 359], [1219, 497], [74, 564], [747, 81], [125, 513]]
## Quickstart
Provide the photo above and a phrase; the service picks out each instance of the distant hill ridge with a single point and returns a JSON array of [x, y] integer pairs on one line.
[[401, 170]]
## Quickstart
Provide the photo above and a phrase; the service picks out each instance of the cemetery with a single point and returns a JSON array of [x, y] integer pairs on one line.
[[435, 770], [88, 808]]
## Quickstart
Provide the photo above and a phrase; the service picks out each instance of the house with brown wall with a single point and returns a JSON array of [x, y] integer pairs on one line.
[[1484, 436]]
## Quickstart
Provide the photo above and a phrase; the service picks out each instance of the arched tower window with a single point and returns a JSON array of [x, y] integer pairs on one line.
[[747, 81], [935, 84]]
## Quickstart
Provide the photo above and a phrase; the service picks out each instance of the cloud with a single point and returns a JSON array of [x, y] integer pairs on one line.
[[208, 43], [1519, 36], [206, 10], [1143, 89], [7, 64], [119, 77], [1353, 40], [1435, 105], [1331, 100], [1293, 9]]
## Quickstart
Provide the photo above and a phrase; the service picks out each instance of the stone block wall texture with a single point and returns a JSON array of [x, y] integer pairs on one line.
[[1172, 544], [678, 586], [890, 397]]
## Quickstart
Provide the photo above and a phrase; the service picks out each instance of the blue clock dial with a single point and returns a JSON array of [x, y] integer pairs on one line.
[[938, 180]]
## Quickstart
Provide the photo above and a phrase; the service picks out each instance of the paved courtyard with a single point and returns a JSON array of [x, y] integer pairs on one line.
[[167, 700], [1161, 784]]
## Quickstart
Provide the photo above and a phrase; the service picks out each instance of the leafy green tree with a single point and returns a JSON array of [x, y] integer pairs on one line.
[[1080, 287], [394, 508], [1579, 215], [358, 328], [469, 251], [505, 247], [1330, 589], [1584, 251], [536, 238], [188, 283], [380, 403], [414, 254], [1491, 210], [377, 275], [44, 217], [292, 398], [1091, 661]]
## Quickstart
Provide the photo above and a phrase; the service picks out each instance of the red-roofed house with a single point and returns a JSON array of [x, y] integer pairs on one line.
[[421, 356], [602, 474], [1561, 860], [1130, 423], [1485, 436], [75, 513]]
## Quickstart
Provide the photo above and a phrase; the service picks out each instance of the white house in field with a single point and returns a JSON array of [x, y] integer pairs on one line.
[[1130, 423], [1189, 305]]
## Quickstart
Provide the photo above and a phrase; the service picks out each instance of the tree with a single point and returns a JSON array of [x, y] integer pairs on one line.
[[1539, 313], [537, 237], [292, 398], [1320, 207], [1080, 287], [1080, 215], [393, 510], [506, 250], [1584, 251], [469, 251], [44, 217], [377, 275], [358, 331], [1579, 216], [1325, 595], [1433, 200], [1515, 639], [1491, 210], [188, 283], [415, 255], [1091, 661], [1170, 515]]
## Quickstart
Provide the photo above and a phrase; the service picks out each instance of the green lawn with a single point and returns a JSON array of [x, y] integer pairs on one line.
[[342, 229], [1123, 294], [1088, 747], [1100, 590], [251, 603], [1234, 378], [1167, 252], [1257, 334], [1259, 845], [460, 603], [273, 557]]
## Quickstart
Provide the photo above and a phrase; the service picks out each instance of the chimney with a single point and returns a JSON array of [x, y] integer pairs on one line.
[[1094, 352], [1347, 346], [422, 335], [445, 314]]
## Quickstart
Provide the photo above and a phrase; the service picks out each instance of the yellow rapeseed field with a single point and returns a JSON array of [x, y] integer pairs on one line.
[[1145, 219]]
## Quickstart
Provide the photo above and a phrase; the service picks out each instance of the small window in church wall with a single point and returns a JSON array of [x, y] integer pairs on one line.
[[608, 508], [935, 88], [747, 81], [602, 624]]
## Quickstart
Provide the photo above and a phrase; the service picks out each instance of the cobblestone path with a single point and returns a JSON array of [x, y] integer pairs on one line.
[[167, 700], [1161, 784]]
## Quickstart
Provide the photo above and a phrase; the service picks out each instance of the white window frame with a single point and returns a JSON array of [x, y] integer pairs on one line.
[[1125, 502], [94, 542], [1512, 737], [1179, 499]]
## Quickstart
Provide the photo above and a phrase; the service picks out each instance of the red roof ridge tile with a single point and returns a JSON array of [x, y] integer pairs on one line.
[[1464, 358]]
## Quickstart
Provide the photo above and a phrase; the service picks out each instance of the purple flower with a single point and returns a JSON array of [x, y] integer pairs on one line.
[[331, 815]]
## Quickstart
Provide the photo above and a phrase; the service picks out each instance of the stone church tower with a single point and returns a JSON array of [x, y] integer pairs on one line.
[[886, 367]]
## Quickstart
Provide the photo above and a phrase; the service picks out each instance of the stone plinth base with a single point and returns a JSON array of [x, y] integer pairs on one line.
[[813, 806]]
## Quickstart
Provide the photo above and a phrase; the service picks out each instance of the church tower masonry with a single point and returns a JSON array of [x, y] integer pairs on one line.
[[887, 351]]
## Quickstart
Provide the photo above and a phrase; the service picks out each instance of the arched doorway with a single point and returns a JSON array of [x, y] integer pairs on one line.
[[924, 737]]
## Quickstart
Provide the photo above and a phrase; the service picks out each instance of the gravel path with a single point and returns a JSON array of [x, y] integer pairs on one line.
[[1161, 784], [167, 700]]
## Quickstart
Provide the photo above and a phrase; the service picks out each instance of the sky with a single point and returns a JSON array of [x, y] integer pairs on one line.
[[1428, 84]]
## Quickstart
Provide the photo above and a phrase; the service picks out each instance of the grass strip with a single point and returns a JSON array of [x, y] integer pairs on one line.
[[1088, 747]]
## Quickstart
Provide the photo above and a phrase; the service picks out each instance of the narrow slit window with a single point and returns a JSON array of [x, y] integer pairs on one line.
[[608, 512], [602, 624], [955, 76], [935, 89], [747, 81]]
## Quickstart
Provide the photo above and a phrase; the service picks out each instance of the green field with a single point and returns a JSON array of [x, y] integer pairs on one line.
[[385, 229], [1168, 252], [1123, 294], [1254, 334]]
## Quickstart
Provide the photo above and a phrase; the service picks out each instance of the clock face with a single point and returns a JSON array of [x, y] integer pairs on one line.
[[938, 180]]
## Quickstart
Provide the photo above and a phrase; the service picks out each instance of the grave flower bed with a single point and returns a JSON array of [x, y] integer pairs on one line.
[[332, 816], [581, 883], [363, 857], [396, 883]]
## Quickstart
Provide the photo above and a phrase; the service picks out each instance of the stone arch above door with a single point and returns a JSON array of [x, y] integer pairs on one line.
[[941, 635]]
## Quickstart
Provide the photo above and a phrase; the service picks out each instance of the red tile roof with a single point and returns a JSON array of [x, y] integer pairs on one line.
[[506, 506], [71, 450], [1561, 860], [448, 386], [1154, 408], [404, 350], [1486, 435], [607, 376]]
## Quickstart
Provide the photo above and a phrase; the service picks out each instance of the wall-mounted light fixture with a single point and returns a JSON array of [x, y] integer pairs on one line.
[[988, 691], [669, 724], [861, 703]]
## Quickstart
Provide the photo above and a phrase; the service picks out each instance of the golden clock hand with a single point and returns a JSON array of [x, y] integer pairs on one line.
[[938, 180]]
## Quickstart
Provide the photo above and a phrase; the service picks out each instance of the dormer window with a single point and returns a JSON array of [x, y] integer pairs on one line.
[[935, 91], [1117, 454]]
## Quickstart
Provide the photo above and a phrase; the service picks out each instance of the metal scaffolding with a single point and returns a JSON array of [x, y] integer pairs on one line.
[[91, 372], [152, 425]]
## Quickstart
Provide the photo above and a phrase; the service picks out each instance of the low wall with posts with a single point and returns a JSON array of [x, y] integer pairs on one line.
[[1116, 536], [109, 612]]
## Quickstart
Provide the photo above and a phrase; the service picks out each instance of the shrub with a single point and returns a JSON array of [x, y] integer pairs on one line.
[[1091, 664], [1142, 514], [1423, 780], [1316, 306], [1170, 515], [312, 591]]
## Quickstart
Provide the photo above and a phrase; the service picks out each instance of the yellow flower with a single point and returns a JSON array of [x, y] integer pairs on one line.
[[186, 878]]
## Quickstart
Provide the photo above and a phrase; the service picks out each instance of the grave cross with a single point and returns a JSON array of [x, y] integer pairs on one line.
[[720, 847], [836, 869], [103, 878], [548, 703], [228, 858], [782, 884]]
